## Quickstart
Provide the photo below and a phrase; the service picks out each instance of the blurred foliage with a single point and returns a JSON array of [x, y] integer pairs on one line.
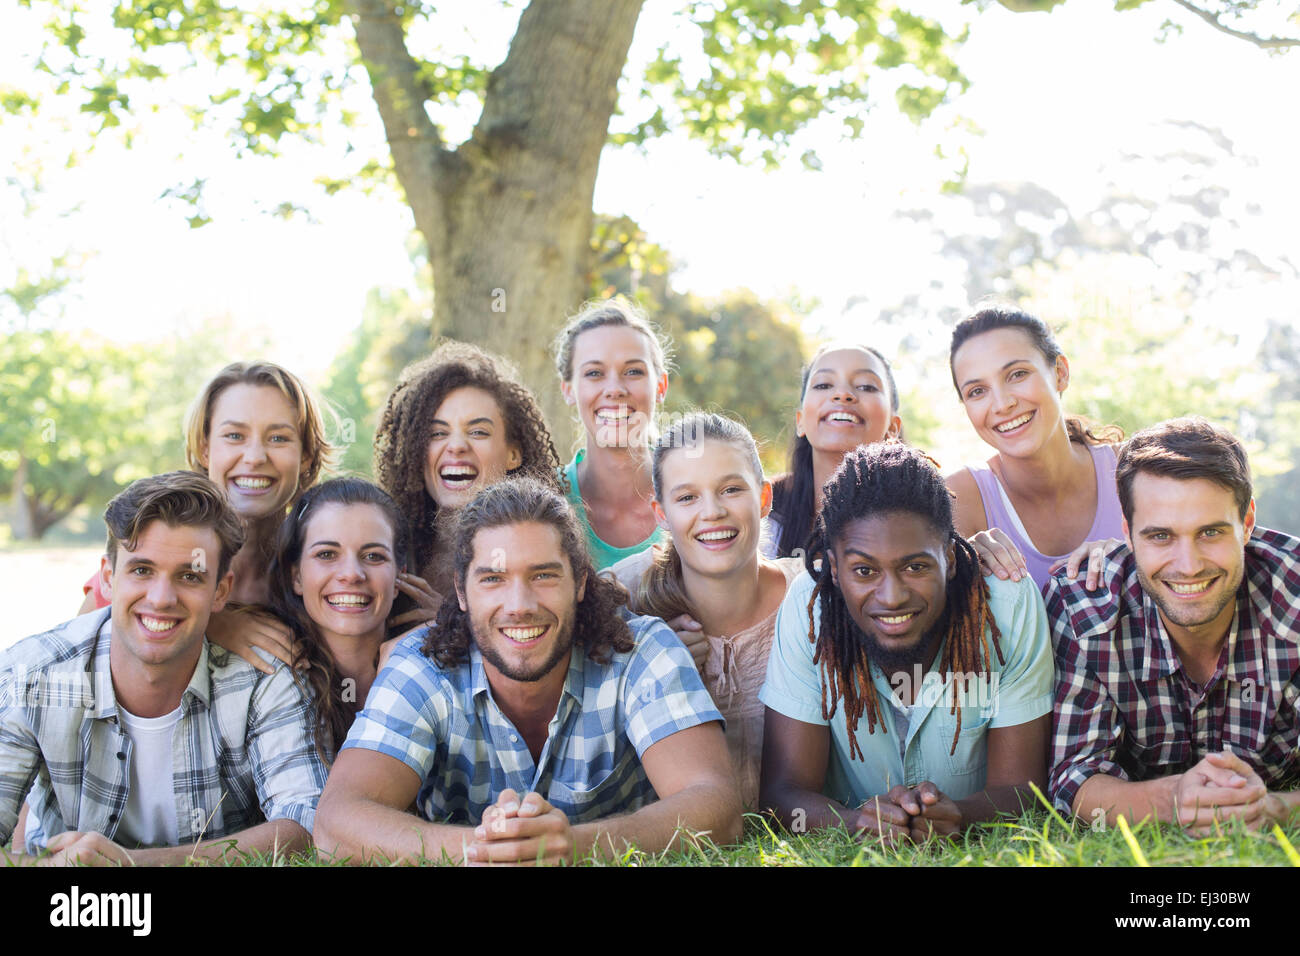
[[735, 355]]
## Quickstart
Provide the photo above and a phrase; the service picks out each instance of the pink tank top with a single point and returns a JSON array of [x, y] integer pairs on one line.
[[1000, 513]]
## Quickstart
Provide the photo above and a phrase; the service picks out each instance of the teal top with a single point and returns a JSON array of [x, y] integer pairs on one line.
[[911, 746], [602, 555]]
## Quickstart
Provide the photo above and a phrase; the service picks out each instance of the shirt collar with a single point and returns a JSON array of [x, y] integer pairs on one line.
[[575, 681], [105, 706]]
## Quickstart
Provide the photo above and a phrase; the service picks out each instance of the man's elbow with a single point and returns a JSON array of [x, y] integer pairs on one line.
[[330, 832]]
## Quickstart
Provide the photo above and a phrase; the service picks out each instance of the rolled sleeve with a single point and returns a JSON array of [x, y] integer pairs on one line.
[[404, 713], [663, 693], [1086, 727], [287, 770], [1025, 680], [793, 686]]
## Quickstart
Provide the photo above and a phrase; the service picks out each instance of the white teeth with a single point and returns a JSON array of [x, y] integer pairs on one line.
[[453, 471], [897, 620], [348, 600], [607, 416], [253, 483], [523, 633], [1015, 423], [157, 625], [1189, 588], [715, 536], [844, 417]]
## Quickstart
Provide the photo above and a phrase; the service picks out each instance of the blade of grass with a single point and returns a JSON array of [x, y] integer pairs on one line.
[[1136, 850], [1287, 848]]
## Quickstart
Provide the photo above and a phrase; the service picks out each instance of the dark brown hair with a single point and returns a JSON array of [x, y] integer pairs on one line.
[[334, 715], [1079, 428], [402, 438], [598, 627], [1184, 448], [177, 499]]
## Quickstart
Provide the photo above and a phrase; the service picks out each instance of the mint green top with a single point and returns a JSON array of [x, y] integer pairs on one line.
[[911, 746], [602, 555]]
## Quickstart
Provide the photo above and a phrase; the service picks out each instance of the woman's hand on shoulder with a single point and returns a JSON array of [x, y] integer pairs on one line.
[[1091, 558], [239, 629], [691, 633], [426, 599], [999, 555]]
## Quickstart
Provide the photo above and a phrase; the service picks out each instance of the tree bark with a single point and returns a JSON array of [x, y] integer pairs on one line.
[[21, 515], [507, 215]]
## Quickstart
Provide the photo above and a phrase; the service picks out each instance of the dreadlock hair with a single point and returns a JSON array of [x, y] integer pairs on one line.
[[1081, 430], [333, 715], [794, 494], [662, 591], [598, 627], [882, 479], [402, 438]]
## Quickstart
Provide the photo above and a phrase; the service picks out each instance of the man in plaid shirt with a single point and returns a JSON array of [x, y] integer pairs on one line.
[[533, 721], [129, 730], [1177, 681]]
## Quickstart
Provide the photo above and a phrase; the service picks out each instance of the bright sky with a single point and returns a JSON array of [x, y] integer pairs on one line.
[[1058, 96]]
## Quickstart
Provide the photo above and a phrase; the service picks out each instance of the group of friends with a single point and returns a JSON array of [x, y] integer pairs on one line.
[[491, 656]]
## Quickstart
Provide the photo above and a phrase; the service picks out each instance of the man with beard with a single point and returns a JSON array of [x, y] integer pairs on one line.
[[533, 721], [953, 671], [1177, 681]]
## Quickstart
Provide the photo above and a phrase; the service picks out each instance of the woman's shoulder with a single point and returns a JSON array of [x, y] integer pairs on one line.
[[968, 501]]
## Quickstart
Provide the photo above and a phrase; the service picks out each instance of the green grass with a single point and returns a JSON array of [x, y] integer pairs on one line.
[[1036, 838]]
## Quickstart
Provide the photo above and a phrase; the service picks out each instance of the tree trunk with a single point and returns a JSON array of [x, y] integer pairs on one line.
[[507, 215]]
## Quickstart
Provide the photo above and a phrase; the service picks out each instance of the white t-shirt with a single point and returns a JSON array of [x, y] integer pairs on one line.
[[149, 818]]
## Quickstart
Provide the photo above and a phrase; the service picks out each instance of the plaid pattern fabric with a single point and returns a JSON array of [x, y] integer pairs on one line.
[[446, 726], [243, 750], [1124, 706]]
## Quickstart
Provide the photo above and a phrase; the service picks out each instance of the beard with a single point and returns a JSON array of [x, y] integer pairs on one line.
[[516, 671], [1196, 614], [903, 660]]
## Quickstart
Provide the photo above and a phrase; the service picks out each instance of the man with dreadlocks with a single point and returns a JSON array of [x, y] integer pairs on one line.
[[892, 621]]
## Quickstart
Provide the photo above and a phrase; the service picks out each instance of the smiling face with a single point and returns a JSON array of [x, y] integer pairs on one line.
[[253, 451], [893, 572], [162, 597], [615, 385], [847, 402], [1011, 394], [1189, 544], [712, 504], [468, 449], [522, 600], [347, 576]]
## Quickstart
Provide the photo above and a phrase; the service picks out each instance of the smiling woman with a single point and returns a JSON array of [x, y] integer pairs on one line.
[[614, 370], [1050, 486], [455, 423]]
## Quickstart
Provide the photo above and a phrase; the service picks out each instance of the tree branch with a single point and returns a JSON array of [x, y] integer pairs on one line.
[[1267, 43], [400, 94]]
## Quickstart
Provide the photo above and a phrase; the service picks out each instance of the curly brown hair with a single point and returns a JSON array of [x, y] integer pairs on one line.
[[406, 427], [598, 627]]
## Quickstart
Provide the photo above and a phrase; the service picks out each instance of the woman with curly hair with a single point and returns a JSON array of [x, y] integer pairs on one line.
[[456, 422], [334, 576], [614, 370]]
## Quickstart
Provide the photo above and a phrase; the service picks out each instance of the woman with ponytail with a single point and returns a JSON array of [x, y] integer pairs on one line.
[[710, 497]]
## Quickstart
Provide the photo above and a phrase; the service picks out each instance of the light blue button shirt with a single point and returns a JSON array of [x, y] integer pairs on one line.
[[1014, 692]]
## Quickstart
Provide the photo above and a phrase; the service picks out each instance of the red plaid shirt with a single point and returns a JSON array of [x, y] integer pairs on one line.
[[1124, 706]]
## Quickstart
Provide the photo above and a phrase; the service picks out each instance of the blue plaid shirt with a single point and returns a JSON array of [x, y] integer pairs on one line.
[[242, 752], [446, 726]]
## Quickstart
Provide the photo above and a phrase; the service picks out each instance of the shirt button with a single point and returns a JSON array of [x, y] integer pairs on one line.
[[112, 818], [121, 755], [514, 739]]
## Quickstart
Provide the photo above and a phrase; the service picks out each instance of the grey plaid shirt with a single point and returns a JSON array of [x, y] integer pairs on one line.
[[242, 752]]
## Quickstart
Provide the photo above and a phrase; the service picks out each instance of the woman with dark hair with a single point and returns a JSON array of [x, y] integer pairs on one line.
[[614, 370], [455, 423], [1050, 486], [711, 496], [848, 398], [334, 576]]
